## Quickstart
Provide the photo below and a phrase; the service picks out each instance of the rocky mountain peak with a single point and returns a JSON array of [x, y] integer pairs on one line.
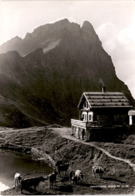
[[16, 38], [87, 26], [62, 22], [61, 60], [89, 33], [60, 30]]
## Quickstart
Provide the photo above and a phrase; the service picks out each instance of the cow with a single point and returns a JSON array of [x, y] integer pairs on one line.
[[31, 184], [77, 176], [17, 179], [52, 179], [71, 175], [97, 171], [62, 167]]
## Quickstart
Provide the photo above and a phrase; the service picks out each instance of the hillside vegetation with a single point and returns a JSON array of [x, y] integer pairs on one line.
[[79, 156]]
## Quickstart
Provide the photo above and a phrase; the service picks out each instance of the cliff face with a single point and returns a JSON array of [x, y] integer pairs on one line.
[[45, 75]]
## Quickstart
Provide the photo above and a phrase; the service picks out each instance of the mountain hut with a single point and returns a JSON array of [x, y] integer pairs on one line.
[[100, 114]]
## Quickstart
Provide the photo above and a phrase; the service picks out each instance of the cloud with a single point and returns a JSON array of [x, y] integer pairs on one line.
[[120, 44], [127, 35], [108, 35]]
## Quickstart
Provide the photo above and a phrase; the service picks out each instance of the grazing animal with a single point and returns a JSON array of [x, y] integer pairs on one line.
[[78, 176], [62, 167], [98, 171], [71, 175], [17, 179], [52, 179], [29, 183]]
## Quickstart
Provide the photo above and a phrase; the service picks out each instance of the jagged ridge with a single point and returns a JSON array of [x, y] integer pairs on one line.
[[52, 67]]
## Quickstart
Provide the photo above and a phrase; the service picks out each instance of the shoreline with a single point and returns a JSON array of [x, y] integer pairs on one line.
[[35, 157]]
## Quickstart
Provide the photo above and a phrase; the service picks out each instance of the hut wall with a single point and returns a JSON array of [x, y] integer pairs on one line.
[[108, 134], [111, 117]]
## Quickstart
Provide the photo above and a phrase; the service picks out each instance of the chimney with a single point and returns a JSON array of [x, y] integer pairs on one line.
[[103, 89], [102, 85]]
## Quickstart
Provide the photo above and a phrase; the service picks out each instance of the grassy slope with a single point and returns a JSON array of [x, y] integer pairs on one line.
[[79, 155]]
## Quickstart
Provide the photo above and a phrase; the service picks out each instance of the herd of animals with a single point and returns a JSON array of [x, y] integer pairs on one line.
[[74, 176]]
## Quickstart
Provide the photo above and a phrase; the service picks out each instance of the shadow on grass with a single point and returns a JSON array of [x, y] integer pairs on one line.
[[97, 188], [84, 184], [64, 179], [30, 192], [65, 188], [113, 179]]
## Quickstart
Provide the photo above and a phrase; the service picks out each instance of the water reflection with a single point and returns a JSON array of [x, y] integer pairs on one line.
[[3, 187]]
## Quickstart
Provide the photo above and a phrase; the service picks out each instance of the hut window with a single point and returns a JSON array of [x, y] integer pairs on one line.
[[86, 104], [84, 116], [90, 116]]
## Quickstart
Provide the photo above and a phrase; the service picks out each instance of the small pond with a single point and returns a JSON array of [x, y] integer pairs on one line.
[[12, 162]]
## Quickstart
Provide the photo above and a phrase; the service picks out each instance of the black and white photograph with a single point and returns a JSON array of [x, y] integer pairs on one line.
[[67, 97]]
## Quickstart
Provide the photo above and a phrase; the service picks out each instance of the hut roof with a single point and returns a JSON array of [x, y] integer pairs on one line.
[[105, 100]]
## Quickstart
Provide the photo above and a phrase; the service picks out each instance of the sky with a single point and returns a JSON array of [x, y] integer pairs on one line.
[[113, 21]]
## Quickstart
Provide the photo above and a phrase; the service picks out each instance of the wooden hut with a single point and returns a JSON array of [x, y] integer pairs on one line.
[[98, 111]]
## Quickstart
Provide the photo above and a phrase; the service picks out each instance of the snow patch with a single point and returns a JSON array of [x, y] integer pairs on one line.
[[52, 44]]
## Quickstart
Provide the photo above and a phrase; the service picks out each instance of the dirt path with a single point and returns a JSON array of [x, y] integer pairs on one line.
[[66, 133]]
